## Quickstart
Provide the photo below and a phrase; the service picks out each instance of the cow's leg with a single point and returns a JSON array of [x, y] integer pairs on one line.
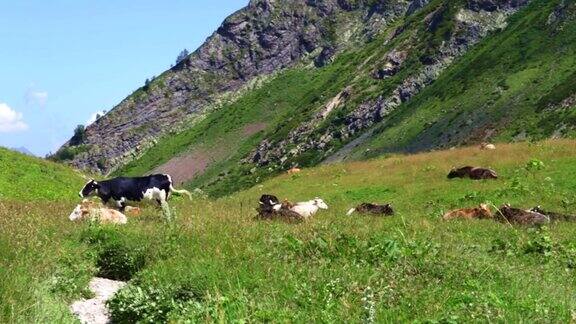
[[160, 197], [121, 204]]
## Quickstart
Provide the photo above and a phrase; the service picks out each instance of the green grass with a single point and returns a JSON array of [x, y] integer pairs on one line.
[[217, 264], [27, 178]]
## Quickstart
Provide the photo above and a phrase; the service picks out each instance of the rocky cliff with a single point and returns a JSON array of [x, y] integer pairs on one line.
[[264, 37], [294, 82]]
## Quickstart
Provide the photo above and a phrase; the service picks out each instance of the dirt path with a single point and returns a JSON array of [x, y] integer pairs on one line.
[[93, 311], [187, 166]]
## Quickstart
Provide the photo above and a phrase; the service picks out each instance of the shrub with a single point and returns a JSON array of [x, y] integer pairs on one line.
[[79, 136], [117, 261], [119, 256], [151, 304]]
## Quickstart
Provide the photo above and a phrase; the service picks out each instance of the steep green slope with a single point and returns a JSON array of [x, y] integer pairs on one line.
[[25, 178], [518, 84], [282, 103]]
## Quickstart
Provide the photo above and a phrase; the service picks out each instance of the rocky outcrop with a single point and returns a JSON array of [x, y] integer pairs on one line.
[[472, 23], [270, 35], [264, 37]]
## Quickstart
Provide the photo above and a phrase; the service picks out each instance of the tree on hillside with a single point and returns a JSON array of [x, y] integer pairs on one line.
[[79, 136], [183, 54]]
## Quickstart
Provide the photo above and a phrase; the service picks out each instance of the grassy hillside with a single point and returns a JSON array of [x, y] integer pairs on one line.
[[23, 177], [512, 86], [217, 264], [40, 268], [516, 84]]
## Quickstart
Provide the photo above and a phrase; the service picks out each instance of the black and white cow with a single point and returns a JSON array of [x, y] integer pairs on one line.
[[119, 190]]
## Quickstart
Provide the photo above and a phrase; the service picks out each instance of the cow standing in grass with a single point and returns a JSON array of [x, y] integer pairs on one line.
[[120, 190]]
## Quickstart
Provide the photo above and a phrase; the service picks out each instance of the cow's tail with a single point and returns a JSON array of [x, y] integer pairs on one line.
[[352, 210], [181, 192]]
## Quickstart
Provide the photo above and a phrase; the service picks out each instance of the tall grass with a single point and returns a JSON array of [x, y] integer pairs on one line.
[[218, 264]]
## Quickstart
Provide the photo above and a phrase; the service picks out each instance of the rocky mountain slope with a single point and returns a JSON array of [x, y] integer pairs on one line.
[[293, 82]]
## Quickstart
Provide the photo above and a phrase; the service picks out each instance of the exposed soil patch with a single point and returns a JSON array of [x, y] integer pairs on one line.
[[253, 128], [185, 167], [94, 311]]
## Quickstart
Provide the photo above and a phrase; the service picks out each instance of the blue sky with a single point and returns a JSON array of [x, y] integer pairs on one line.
[[61, 61]]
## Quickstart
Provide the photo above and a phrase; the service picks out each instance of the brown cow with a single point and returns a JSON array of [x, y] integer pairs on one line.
[[293, 170], [133, 211], [480, 212], [520, 216], [472, 173]]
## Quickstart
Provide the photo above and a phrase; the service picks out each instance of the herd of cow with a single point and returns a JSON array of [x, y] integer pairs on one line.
[[271, 208], [159, 187]]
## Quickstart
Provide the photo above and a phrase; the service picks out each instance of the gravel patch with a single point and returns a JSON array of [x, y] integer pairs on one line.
[[94, 311]]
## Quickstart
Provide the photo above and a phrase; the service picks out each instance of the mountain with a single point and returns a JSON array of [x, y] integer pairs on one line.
[[22, 150], [302, 82]]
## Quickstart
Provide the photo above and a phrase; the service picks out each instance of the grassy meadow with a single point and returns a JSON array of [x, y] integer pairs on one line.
[[215, 263]]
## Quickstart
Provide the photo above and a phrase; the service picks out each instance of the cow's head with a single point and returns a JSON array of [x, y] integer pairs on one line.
[[320, 203], [485, 211], [453, 174], [81, 210], [90, 189]]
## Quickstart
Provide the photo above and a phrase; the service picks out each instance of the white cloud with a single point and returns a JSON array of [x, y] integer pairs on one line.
[[10, 120], [36, 97], [93, 117]]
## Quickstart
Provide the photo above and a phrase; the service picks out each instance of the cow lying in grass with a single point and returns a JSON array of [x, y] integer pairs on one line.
[[90, 211], [554, 216], [487, 146], [372, 209], [271, 208], [294, 171], [480, 212], [308, 208], [133, 211], [520, 216], [269, 203], [472, 173]]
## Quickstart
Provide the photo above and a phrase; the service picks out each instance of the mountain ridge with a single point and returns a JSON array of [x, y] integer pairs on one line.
[[374, 85]]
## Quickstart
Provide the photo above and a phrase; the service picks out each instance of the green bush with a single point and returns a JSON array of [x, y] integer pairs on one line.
[[118, 262], [151, 304], [119, 255]]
